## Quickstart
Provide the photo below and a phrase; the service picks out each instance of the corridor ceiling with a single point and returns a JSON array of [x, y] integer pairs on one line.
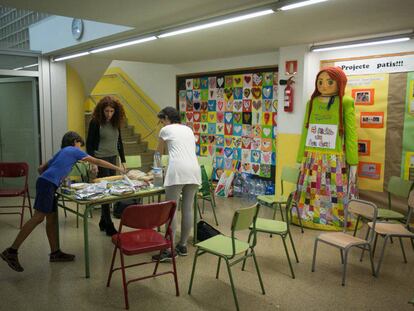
[[332, 20]]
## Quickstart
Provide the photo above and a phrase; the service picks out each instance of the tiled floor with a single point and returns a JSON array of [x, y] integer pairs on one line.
[[62, 286]]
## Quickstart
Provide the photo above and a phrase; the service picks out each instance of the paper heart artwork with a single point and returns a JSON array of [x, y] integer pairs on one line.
[[210, 149], [237, 142], [211, 117], [246, 142], [267, 105], [228, 91], [274, 122], [247, 80], [229, 106], [238, 93], [228, 82], [274, 104], [257, 104], [220, 128], [189, 116], [237, 117], [228, 118], [189, 106], [196, 94], [189, 95], [183, 106], [266, 132], [237, 154], [220, 117], [220, 105], [228, 141], [196, 117], [212, 94], [228, 129], [266, 118], [268, 78], [189, 124], [245, 155], [211, 128], [212, 82], [220, 162], [228, 152], [204, 106], [247, 130], [256, 92], [204, 128], [247, 105], [204, 139], [220, 140], [196, 127], [228, 164], [256, 143], [220, 82], [255, 168], [237, 80], [247, 118], [257, 79], [246, 167], [219, 151], [265, 170], [204, 116], [275, 91], [267, 92], [197, 106], [189, 84], [197, 137], [220, 93], [237, 105], [256, 156], [246, 93], [257, 130], [266, 157], [196, 83], [211, 105], [237, 129], [204, 150], [266, 144], [204, 83]]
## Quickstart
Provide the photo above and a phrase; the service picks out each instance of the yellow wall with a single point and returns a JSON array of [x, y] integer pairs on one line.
[[75, 101], [287, 148]]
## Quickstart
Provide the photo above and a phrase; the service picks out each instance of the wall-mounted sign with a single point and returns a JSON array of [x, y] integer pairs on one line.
[[363, 97], [372, 119], [291, 67], [369, 170], [364, 147], [322, 136]]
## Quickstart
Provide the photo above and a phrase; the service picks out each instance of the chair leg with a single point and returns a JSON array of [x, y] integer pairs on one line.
[[402, 250], [371, 258], [198, 209], [125, 285], [375, 244], [382, 255], [288, 257], [342, 255], [111, 269], [218, 267], [22, 213], [232, 285], [293, 246], [258, 272], [192, 271], [314, 255], [213, 206], [157, 263], [177, 290], [363, 250], [204, 206], [344, 268], [245, 254]]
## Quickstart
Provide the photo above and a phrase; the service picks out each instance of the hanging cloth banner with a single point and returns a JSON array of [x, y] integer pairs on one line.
[[403, 63]]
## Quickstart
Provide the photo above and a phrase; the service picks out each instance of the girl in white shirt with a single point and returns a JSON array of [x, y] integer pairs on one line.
[[183, 174]]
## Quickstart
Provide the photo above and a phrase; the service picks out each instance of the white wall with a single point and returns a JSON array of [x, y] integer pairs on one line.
[[55, 32], [158, 81]]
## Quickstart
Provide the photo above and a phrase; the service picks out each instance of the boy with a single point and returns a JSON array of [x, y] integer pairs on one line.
[[51, 175]]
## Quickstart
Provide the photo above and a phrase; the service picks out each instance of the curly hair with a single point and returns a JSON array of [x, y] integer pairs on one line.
[[119, 114]]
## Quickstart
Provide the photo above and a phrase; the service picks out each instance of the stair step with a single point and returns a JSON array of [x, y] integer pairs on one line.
[[131, 139], [136, 148]]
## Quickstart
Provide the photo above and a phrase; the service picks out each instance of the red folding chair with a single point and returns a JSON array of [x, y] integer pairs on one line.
[[16, 170], [146, 218]]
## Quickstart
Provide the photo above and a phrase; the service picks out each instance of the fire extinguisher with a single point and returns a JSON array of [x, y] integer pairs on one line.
[[288, 95]]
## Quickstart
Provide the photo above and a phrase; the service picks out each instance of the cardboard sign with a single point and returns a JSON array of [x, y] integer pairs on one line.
[[322, 136]]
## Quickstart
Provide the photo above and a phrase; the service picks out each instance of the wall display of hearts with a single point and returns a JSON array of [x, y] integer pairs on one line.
[[234, 118]]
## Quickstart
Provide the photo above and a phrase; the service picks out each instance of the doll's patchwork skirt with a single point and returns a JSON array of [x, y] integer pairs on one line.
[[322, 191]]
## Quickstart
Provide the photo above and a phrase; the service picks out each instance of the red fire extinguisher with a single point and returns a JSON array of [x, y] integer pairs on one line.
[[288, 95]]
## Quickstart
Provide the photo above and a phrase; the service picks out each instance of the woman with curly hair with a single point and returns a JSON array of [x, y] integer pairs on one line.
[[104, 142]]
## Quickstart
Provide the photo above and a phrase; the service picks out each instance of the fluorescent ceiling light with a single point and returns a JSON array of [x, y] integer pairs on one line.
[[300, 4], [216, 23], [27, 66], [120, 45], [70, 56], [348, 45]]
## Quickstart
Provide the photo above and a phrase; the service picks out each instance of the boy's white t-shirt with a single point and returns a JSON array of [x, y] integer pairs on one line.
[[183, 167]]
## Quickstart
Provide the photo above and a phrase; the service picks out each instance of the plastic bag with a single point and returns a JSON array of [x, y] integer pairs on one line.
[[224, 188]]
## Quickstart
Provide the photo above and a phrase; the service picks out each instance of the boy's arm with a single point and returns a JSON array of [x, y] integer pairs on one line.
[[42, 167], [103, 163]]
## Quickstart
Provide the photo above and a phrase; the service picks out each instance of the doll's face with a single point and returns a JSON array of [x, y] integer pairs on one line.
[[326, 85]]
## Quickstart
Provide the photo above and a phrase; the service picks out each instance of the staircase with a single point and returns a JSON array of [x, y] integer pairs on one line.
[[133, 145]]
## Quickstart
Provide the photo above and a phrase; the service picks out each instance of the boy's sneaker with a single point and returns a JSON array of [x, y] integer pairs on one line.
[[60, 256], [164, 257], [11, 259], [181, 250]]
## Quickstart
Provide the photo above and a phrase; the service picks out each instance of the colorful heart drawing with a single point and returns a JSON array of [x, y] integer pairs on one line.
[[220, 93], [228, 129], [189, 106], [211, 115], [220, 117], [257, 131], [266, 118], [255, 168], [196, 83], [203, 149], [257, 79], [247, 130], [237, 129], [229, 106], [211, 139], [220, 105], [266, 157], [203, 127], [228, 164], [196, 127], [220, 140], [220, 162], [247, 118], [189, 95], [246, 93], [204, 106], [228, 92], [267, 105], [237, 117], [197, 106], [238, 93], [247, 79], [189, 116], [183, 106], [220, 128], [274, 118], [246, 167], [204, 139], [228, 152], [257, 104], [196, 117], [237, 80], [275, 105], [228, 117], [246, 142], [228, 141], [266, 131], [212, 82], [266, 145], [257, 92], [256, 142], [255, 156], [247, 105], [229, 81], [204, 117], [219, 150], [189, 84], [237, 142], [268, 76], [197, 137], [237, 105], [196, 94], [210, 149], [220, 82], [267, 92]]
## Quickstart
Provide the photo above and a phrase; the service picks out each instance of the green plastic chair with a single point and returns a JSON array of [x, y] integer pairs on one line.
[[289, 175], [280, 228], [133, 161], [399, 188], [206, 192], [231, 249]]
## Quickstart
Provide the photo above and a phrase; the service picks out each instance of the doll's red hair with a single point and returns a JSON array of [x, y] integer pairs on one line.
[[337, 74]]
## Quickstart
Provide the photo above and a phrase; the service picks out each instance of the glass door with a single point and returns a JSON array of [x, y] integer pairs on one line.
[[19, 125]]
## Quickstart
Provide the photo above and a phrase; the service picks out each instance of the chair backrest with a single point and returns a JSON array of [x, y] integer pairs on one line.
[[205, 182], [290, 175], [365, 209], [244, 217], [289, 204], [79, 172], [399, 187], [15, 170], [148, 216], [133, 161]]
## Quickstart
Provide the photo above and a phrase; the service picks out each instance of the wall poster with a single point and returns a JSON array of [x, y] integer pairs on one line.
[[234, 118]]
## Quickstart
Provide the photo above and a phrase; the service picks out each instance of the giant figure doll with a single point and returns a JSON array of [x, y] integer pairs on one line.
[[328, 153]]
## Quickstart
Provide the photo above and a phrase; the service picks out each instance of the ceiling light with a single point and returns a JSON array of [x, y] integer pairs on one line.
[[123, 44], [70, 56], [215, 23], [27, 66], [359, 43], [300, 4]]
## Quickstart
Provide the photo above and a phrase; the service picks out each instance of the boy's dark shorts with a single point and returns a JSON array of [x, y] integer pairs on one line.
[[46, 201]]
